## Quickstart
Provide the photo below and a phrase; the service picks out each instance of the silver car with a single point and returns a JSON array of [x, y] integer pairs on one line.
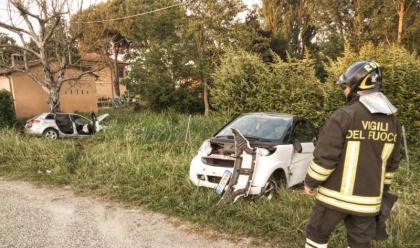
[[64, 125]]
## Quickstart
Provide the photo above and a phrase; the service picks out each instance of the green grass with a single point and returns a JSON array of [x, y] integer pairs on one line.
[[143, 159]]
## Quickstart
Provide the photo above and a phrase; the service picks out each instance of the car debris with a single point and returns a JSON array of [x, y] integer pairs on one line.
[[243, 170], [253, 154], [64, 125]]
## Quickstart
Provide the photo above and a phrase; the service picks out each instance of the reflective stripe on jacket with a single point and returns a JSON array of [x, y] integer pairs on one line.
[[356, 155]]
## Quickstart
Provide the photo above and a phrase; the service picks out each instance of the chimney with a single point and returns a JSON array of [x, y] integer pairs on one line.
[[17, 59]]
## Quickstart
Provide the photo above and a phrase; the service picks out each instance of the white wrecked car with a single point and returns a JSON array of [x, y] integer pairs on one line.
[[253, 153], [64, 125]]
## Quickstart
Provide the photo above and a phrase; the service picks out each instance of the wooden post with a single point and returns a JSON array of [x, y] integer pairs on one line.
[[400, 21]]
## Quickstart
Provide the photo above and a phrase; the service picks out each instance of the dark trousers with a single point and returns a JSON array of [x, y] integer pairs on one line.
[[323, 220]]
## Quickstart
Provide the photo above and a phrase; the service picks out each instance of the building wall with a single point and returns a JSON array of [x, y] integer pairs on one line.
[[79, 96], [31, 99], [4, 83], [104, 84]]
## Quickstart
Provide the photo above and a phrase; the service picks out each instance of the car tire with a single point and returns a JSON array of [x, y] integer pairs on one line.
[[50, 133], [276, 180]]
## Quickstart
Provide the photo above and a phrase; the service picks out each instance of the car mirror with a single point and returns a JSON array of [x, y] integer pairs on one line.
[[297, 146]]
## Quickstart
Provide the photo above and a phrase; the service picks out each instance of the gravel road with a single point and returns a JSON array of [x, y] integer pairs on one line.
[[47, 217]]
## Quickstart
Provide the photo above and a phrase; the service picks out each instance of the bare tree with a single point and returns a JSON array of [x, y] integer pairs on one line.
[[44, 26]]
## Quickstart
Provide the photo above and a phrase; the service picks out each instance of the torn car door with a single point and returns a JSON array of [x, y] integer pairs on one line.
[[98, 125]]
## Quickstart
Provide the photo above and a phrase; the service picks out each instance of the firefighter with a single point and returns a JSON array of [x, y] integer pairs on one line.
[[355, 160]]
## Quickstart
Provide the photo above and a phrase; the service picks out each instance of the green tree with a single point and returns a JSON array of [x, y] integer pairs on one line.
[[164, 72], [209, 26], [189, 40], [358, 22], [251, 36], [292, 20], [102, 37]]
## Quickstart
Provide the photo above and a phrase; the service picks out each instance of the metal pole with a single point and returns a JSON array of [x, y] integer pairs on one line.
[[406, 149]]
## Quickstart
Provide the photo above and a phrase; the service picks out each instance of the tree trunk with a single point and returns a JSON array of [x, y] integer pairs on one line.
[[358, 23], [206, 98], [400, 20], [116, 76], [54, 100]]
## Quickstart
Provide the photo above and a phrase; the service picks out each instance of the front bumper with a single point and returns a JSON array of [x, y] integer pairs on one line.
[[204, 175]]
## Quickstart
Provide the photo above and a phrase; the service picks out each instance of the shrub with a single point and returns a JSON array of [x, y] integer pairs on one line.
[[401, 74], [244, 83], [7, 112]]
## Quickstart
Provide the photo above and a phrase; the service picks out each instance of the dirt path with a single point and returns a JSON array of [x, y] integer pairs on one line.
[[45, 217]]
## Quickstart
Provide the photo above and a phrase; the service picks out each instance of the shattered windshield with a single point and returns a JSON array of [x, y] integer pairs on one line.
[[265, 128]]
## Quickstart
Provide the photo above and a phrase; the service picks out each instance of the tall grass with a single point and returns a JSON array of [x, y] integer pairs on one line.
[[143, 159]]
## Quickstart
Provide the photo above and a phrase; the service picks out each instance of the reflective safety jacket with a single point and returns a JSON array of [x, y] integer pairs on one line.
[[356, 156]]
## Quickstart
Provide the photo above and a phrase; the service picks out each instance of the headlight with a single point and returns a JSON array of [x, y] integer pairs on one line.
[[263, 152], [205, 147]]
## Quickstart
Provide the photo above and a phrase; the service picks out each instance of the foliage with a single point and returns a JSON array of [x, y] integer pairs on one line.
[[359, 22], [292, 20], [6, 49], [244, 83], [162, 79], [175, 47], [400, 72], [250, 36], [103, 38], [7, 111], [143, 159]]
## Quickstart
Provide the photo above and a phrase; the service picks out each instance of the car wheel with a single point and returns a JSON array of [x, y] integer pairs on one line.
[[50, 133], [277, 179]]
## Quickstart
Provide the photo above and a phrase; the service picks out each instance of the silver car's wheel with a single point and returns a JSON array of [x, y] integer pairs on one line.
[[51, 134]]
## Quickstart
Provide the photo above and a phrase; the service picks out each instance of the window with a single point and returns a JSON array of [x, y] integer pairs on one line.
[[79, 120], [50, 117], [303, 132], [120, 72]]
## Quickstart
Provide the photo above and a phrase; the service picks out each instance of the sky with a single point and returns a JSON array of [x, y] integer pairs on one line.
[[4, 15]]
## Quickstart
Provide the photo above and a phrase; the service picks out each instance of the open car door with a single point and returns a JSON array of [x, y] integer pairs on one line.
[[304, 134]]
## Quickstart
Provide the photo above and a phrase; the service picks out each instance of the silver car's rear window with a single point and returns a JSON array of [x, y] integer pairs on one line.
[[50, 117]]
